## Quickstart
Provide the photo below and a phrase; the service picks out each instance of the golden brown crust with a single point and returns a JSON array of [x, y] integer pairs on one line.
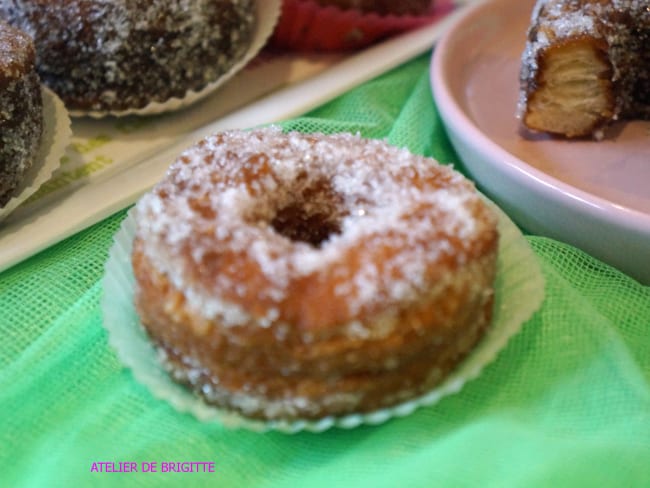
[[308, 349], [572, 93], [298, 377]]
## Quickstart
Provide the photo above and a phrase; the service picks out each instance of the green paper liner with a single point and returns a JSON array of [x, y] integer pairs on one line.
[[519, 292]]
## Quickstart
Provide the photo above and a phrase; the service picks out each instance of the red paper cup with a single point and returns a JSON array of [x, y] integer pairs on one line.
[[304, 25]]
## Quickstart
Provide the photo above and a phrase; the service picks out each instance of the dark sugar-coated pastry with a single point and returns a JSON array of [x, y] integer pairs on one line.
[[21, 109], [292, 276], [586, 64], [115, 55]]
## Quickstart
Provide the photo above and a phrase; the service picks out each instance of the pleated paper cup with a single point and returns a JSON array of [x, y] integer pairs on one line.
[[305, 25], [519, 293]]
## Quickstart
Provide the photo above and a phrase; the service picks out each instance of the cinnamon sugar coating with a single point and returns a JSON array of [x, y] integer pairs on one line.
[[103, 55], [299, 276], [586, 63], [21, 109]]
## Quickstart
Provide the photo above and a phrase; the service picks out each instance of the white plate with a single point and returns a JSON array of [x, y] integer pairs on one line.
[[593, 195], [118, 165]]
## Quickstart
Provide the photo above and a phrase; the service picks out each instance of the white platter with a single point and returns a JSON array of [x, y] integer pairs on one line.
[[113, 161], [594, 195]]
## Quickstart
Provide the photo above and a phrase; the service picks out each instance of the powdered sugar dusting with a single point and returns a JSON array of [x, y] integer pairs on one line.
[[229, 221]]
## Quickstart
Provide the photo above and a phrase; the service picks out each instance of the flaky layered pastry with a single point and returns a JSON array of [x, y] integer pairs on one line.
[[291, 276], [586, 64]]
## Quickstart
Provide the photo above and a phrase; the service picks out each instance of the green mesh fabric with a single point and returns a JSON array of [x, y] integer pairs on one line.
[[566, 403]]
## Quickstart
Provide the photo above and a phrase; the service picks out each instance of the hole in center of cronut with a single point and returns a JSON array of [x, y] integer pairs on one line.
[[312, 215]]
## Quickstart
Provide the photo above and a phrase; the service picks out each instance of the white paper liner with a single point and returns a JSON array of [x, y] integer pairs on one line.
[[268, 12], [56, 137], [519, 293]]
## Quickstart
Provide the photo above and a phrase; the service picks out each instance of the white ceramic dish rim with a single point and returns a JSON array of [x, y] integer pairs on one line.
[[464, 127]]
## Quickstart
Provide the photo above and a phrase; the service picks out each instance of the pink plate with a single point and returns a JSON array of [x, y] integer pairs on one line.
[[593, 195]]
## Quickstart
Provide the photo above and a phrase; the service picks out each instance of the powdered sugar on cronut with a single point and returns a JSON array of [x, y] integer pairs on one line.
[[217, 224]]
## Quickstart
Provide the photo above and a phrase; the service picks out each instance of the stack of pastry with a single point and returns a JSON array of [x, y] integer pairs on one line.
[[586, 64], [21, 109]]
